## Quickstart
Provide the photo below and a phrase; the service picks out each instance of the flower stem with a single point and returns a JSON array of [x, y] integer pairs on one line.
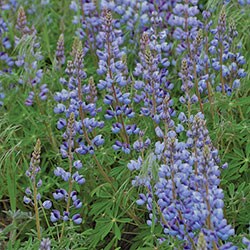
[[36, 211]]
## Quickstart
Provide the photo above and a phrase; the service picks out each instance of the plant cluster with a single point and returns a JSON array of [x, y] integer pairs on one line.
[[140, 125]]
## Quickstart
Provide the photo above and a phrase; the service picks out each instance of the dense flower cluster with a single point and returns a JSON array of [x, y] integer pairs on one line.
[[185, 194], [181, 52], [185, 23], [135, 17]]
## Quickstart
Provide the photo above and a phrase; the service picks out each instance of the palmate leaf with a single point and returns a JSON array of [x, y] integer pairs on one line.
[[15, 246], [102, 229], [101, 191], [119, 171], [100, 208], [230, 174]]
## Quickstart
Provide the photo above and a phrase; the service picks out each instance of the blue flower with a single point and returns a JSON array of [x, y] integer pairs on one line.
[[47, 204], [55, 216], [77, 219]]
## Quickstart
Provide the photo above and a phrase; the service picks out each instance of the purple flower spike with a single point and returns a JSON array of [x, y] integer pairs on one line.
[[60, 57]]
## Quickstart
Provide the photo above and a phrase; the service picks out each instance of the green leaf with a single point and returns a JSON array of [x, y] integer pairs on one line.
[[240, 153], [244, 167], [11, 183], [104, 229], [117, 231], [231, 189], [242, 101], [124, 220], [110, 245], [100, 207], [241, 187]]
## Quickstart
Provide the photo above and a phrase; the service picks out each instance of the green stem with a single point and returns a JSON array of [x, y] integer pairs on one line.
[[38, 228]]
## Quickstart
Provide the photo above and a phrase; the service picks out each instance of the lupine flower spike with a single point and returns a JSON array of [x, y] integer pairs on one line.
[[72, 177], [32, 196], [60, 57]]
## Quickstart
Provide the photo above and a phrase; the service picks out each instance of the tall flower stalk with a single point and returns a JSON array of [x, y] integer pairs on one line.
[[32, 173], [112, 64]]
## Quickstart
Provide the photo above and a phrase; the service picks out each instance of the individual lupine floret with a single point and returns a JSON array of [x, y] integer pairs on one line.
[[140, 145], [70, 176], [8, 61], [113, 66], [60, 57], [32, 196], [243, 2]]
